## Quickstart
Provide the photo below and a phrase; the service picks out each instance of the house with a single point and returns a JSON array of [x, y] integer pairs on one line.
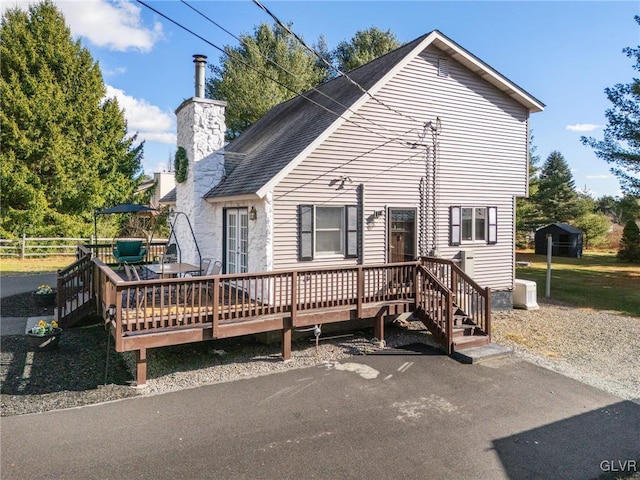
[[420, 152], [566, 240]]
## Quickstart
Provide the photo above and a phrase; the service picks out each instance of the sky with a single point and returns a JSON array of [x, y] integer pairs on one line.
[[563, 53]]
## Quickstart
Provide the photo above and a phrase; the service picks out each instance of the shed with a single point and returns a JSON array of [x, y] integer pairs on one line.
[[567, 240]]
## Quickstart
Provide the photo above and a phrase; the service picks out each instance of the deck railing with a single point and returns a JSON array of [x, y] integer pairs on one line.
[[104, 250], [434, 301], [473, 299], [158, 304], [74, 289]]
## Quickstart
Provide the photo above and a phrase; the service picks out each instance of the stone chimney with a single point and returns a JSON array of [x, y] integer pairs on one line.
[[201, 129]]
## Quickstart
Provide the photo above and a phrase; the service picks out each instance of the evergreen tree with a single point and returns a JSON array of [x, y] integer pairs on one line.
[[556, 196], [364, 46], [630, 243], [527, 212], [249, 93], [621, 143], [65, 149]]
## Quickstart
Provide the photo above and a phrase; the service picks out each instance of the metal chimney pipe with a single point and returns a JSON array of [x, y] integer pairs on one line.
[[200, 61]]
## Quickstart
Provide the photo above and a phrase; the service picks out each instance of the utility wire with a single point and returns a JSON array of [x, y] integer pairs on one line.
[[331, 66], [275, 64], [248, 65]]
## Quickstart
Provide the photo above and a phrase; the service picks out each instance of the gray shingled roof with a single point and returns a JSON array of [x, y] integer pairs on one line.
[[563, 226], [287, 129], [170, 197]]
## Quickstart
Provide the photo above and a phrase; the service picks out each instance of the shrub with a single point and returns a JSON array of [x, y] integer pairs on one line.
[[630, 243]]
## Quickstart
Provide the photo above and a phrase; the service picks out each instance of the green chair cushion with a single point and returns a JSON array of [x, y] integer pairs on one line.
[[128, 248]]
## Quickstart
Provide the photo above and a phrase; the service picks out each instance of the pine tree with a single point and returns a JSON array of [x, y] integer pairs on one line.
[[249, 93], [621, 143], [556, 197], [630, 243], [65, 149], [365, 46], [527, 212]]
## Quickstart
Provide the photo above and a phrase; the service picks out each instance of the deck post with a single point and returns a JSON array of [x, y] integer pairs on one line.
[[216, 306], [378, 328], [141, 367], [487, 312], [360, 291], [294, 297], [416, 285], [286, 339]]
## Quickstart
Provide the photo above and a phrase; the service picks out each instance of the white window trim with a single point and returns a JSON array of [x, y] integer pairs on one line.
[[455, 225], [475, 240]]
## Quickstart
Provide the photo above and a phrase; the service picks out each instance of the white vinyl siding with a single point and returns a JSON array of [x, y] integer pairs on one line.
[[482, 160]]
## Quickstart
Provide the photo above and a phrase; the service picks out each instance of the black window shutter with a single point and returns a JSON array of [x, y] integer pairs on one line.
[[492, 222], [305, 232], [454, 226], [351, 231]]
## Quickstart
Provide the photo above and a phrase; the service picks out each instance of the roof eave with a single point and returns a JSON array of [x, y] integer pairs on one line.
[[233, 198]]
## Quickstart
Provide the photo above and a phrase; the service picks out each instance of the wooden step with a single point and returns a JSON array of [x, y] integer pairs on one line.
[[460, 343], [466, 330]]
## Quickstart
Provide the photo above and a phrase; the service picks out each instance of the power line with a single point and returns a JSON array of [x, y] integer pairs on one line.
[[248, 65], [284, 69], [329, 64]]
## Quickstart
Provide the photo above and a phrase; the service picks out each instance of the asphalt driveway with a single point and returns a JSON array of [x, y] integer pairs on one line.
[[374, 417]]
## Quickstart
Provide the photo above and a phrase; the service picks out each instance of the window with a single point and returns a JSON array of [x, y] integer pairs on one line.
[[328, 231], [473, 225]]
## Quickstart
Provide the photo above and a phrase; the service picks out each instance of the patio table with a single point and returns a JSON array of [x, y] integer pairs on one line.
[[172, 269]]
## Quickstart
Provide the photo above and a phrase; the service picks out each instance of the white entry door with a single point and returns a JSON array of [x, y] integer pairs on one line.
[[237, 240]]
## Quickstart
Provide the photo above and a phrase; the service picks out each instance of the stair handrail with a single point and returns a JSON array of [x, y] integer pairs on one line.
[[448, 295], [456, 273]]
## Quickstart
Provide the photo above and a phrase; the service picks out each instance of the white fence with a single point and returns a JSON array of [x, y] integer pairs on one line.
[[43, 247]]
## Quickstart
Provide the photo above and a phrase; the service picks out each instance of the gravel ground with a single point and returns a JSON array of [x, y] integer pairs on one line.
[[599, 348], [575, 342], [22, 305]]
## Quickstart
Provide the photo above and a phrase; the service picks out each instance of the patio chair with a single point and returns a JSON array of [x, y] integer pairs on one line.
[[129, 251], [131, 300], [204, 268], [217, 267], [170, 254]]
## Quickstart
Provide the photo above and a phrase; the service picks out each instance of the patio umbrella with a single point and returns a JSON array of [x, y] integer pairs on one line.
[[122, 208], [126, 208]]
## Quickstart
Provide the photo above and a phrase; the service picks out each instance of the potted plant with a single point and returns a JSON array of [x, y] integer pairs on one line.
[[45, 335], [45, 296]]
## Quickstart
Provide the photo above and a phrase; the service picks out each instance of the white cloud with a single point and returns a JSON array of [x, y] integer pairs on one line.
[[583, 127], [116, 26], [114, 72], [598, 177], [149, 121]]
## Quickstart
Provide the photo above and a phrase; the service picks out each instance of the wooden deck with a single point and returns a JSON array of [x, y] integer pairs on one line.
[[161, 312]]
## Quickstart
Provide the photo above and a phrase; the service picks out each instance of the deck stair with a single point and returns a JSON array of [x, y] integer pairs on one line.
[[466, 334], [438, 307]]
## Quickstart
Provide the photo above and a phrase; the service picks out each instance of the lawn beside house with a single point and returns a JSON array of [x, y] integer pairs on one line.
[[598, 280], [16, 266]]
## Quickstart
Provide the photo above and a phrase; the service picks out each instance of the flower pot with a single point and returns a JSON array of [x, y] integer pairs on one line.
[[45, 299], [45, 342]]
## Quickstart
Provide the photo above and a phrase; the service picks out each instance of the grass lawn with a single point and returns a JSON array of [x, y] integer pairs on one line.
[[15, 266], [597, 280]]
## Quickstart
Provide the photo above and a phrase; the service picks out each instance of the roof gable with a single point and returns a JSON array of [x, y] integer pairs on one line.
[[276, 143]]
